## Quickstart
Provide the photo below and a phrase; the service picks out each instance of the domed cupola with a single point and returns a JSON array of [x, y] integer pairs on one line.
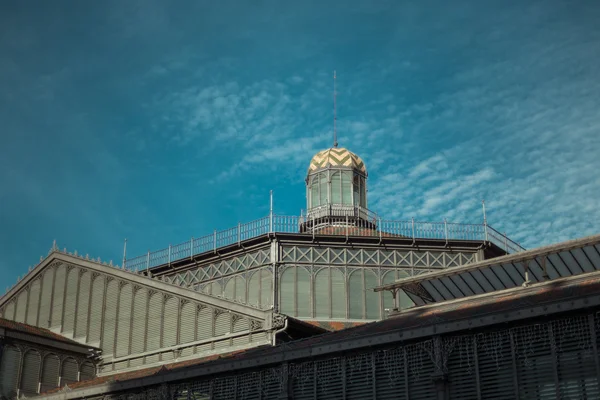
[[336, 189]]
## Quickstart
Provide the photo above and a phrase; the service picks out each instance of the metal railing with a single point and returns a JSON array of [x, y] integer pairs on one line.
[[336, 225]]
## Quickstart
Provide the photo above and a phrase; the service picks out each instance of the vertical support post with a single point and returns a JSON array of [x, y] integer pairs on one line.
[[485, 230], [239, 233], [379, 228], [148, 261], [271, 212], [526, 268], [446, 230], [346, 227], [514, 365], [413, 229], [545, 270], [124, 253], [215, 241], [476, 361], [192, 248], [555, 360]]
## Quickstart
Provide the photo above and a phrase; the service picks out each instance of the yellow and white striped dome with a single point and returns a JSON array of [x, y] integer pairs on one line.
[[336, 157]]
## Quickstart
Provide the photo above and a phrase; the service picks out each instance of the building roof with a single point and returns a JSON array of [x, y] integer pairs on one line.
[[336, 157], [34, 333], [559, 296], [561, 260]]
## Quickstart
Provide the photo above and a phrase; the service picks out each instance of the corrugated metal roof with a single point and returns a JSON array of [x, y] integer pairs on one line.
[[538, 265]]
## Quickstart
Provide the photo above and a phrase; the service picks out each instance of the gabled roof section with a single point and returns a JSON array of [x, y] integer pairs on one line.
[[35, 331], [561, 260], [138, 279]]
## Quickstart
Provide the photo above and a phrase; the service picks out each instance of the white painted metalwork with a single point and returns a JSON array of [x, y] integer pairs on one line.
[[368, 224]]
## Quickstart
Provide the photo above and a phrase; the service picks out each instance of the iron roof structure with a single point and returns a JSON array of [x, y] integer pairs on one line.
[[552, 262]]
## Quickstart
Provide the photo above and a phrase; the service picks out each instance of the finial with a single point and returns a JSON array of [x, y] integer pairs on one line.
[[335, 142], [54, 246]]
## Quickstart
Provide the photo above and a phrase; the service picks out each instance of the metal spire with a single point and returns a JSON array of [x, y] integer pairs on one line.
[[335, 142]]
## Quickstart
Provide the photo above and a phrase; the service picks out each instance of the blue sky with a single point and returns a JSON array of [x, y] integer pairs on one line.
[[156, 121]]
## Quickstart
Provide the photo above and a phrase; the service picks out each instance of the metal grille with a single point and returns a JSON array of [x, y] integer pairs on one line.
[[170, 325], [9, 371], [124, 320], [224, 388], [110, 319], [187, 329], [330, 379], [83, 303], [95, 322], [420, 370], [535, 363], [462, 367], [248, 386], [50, 372], [34, 302], [88, 371], [21, 306], [31, 373], [272, 383], [138, 333], [495, 364], [359, 377], [9, 311], [69, 371], [70, 302], [576, 366], [58, 298], [304, 381], [153, 335], [391, 374]]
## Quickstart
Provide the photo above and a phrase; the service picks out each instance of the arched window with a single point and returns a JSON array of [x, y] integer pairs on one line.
[[347, 187], [9, 371], [314, 191], [356, 295], [336, 188], [69, 371], [322, 293], [50, 372], [323, 181], [31, 372]]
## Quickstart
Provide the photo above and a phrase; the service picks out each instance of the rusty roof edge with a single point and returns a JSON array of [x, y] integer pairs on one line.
[[283, 352], [516, 257]]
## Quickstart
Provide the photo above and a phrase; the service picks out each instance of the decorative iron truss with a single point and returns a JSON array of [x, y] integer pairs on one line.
[[229, 266], [375, 257]]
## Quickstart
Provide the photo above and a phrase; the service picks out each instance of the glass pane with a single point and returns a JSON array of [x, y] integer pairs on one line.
[[355, 188], [372, 296], [303, 295], [336, 188], [314, 191], [287, 291], [323, 188], [347, 188], [322, 294], [363, 193], [356, 295], [338, 294], [388, 299]]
